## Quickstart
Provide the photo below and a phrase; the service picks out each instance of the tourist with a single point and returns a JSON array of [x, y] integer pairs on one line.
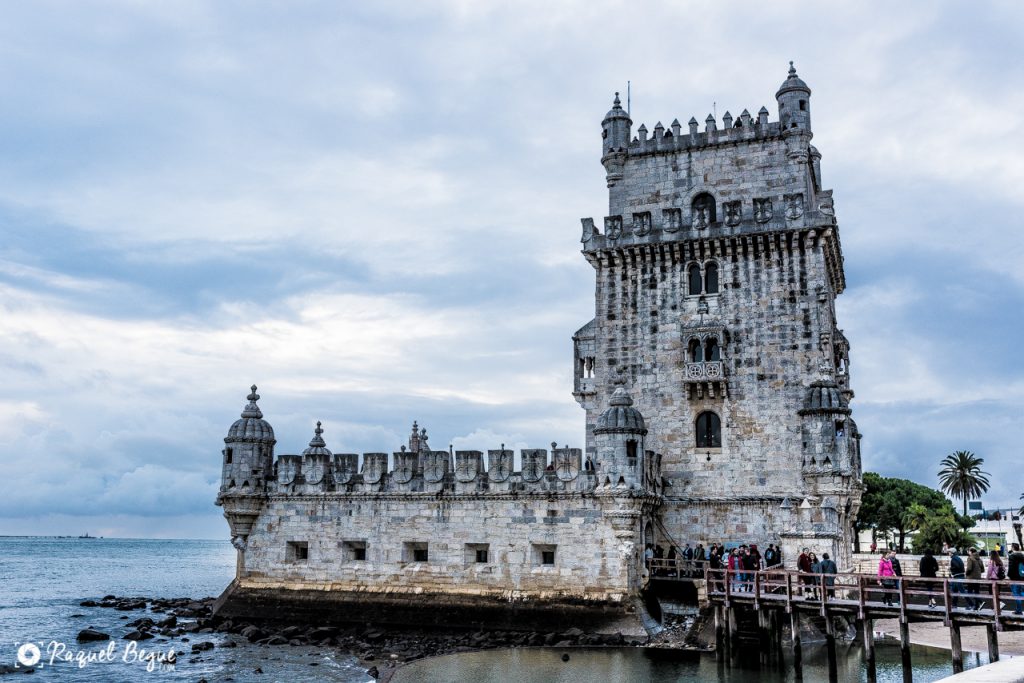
[[715, 569], [929, 569], [1016, 573], [996, 570], [749, 561], [698, 560], [803, 565], [973, 570], [648, 556], [998, 549], [874, 547], [829, 569], [897, 569], [956, 571], [815, 579], [886, 578], [671, 557], [945, 548], [734, 570], [769, 556]]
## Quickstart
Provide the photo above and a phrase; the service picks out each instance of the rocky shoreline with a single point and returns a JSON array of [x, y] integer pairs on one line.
[[380, 650]]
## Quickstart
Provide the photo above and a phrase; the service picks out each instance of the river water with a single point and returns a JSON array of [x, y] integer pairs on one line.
[[43, 580]]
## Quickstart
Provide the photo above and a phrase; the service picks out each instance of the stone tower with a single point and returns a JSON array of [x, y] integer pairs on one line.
[[717, 270]]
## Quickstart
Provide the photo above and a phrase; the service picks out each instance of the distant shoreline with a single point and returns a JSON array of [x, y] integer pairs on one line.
[[111, 538]]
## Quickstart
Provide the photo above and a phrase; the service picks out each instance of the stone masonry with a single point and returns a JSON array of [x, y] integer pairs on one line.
[[716, 389], [717, 270]]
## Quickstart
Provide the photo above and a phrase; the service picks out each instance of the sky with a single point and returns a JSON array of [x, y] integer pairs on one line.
[[371, 210]]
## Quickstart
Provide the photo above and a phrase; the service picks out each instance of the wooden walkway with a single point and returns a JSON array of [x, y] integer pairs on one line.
[[861, 597]]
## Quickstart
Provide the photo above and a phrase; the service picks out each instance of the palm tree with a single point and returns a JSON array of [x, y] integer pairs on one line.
[[961, 476]]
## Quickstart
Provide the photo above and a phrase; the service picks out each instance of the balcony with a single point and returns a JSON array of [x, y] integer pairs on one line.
[[705, 379], [705, 371]]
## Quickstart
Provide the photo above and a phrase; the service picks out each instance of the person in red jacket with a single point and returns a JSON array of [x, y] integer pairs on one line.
[[803, 563]]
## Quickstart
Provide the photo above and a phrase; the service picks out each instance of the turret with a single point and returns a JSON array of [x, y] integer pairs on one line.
[[794, 98], [829, 436], [619, 441], [317, 462], [248, 455], [615, 132]]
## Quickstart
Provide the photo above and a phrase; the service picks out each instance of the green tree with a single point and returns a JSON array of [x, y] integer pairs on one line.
[[941, 527], [961, 476], [886, 502], [915, 516]]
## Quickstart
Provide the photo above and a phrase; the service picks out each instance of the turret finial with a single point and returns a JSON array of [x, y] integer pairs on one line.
[[617, 102], [792, 69], [318, 429], [252, 410], [318, 439]]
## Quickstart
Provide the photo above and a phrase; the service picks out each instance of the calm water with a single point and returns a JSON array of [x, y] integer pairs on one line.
[[634, 665], [42, 580]]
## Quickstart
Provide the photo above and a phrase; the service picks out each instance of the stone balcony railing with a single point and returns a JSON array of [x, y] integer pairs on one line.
[[706, 371]]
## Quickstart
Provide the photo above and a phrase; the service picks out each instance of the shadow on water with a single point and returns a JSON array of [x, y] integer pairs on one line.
[[631, 665]]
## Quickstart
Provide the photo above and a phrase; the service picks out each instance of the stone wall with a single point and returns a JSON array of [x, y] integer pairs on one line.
[[596, 542]]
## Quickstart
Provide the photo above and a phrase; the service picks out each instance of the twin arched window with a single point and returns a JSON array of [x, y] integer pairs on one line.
[[705, 282], [708, 351], [709, 430]]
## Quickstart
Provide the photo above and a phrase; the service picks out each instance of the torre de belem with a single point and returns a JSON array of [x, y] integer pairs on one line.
[[715, 382]]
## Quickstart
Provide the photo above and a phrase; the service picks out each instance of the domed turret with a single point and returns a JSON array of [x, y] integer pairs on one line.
[[249, 451], [621, 416], [317, 445], [824, 396], [615, 131], [619, 441], [251, 426], [794, 98], [317, 461]]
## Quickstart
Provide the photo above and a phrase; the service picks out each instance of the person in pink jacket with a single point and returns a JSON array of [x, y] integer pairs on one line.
[[886, 577]]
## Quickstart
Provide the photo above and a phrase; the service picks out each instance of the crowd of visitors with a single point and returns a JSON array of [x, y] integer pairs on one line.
[[745, 560]]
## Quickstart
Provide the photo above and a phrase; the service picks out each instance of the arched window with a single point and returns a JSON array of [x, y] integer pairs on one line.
[[709, 430], [696, 352], [711, 278], [704, 203], [693, 273], [631, 453], [712, 350]]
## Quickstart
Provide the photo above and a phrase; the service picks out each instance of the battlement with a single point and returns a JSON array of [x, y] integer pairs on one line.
[[673, 139], [464, 471]]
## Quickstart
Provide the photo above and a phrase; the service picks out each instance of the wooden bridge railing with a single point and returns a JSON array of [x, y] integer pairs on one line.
[[966, 599]]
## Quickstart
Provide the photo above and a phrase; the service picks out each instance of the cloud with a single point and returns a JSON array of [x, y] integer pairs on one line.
[[373, 212]]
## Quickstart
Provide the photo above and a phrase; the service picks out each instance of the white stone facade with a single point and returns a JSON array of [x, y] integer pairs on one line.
[[716, 275]]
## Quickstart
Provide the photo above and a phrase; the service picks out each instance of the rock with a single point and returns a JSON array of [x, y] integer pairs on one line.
[[253, 633], [372, 672], [257, 670], [374, 635], [88, 603], [138, 635], [109, 597], [202, 647], [169, 622], [277, 640], [572, 633], [549, 639], [144, 622], [91, 634], [229, 643], [564, 643]]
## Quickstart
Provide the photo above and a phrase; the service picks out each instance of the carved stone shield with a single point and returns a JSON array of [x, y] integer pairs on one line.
[[435, 466], [405, 467], [314, 469], [534, 462], [763, 210], [287, 469], [345, 465], [467, 465], [672, 219], [733, 212], [567, 463], [374, 467], [499, 465], [794, 206]]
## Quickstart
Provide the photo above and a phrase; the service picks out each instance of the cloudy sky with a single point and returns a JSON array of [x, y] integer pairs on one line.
[[371, 210]]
